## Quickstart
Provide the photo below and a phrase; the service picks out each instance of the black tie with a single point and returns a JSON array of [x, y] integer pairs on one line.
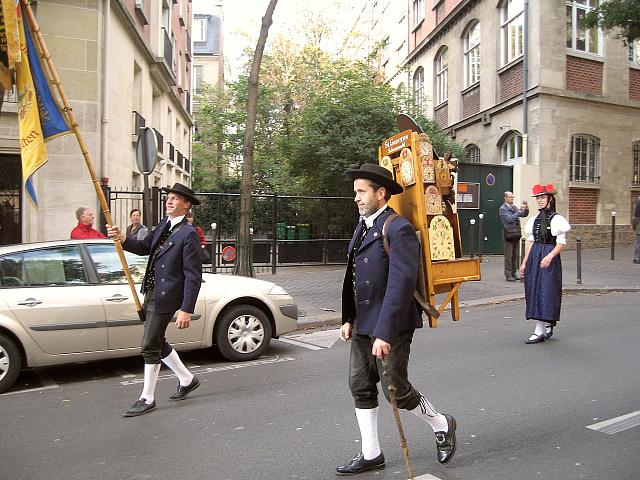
[[360, 239]]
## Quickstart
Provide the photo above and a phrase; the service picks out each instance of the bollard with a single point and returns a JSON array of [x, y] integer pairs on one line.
[[214, 257], [251, 250], [480, 235], [613, 234], [523, 243], [579, 260], [472, 236]]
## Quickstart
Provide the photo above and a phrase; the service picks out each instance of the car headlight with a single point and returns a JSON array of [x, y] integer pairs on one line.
[[278, 290]]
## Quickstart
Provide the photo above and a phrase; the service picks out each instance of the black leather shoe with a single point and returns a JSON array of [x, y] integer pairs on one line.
[[182, 392], [535, 339], [446, 441], [140, 407], [359, 465], [548, 331], [510, 279]]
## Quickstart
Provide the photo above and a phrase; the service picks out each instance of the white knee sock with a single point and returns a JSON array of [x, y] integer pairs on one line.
[[426, 412], [539, 328], [368, 423], [151, 372], [175, 364]]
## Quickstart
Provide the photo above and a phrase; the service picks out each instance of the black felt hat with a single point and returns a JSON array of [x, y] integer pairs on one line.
[[183, 190], [377, 174]]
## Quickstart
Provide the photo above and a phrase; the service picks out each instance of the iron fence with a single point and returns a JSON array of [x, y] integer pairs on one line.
[[287, 230]]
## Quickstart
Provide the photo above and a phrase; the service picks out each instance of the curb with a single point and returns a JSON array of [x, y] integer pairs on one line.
[[331, 320]]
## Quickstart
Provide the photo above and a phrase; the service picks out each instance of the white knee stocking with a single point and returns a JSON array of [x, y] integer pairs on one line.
[[175, 364], [368, 423], [539, 330], [428, 413], [151, 372]]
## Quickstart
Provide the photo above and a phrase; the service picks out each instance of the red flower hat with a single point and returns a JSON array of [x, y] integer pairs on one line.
[[547, 189]]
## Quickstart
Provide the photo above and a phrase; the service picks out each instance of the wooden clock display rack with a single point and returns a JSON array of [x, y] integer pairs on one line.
[[428, 199]]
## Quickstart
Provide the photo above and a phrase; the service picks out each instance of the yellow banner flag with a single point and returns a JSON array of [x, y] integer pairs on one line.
[[32, 147], [9, 42]]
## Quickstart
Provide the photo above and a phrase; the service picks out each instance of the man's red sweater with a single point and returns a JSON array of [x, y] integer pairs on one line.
[[82, 231]]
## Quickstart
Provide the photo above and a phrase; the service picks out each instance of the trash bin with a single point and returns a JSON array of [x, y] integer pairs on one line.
[[303, 231], [281, 230], [291, 232]]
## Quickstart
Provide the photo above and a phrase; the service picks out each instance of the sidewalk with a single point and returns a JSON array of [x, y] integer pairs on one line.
[[317, 289]]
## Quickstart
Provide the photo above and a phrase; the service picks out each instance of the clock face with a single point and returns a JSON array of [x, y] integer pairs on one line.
[[441, 239], [406, 168], [433, 200], [387, 163], [443, 178]]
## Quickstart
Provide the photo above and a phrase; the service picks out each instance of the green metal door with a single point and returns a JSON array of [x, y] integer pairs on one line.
[[493, 181]]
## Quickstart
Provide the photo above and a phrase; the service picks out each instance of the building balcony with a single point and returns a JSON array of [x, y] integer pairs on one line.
[[179, 159], [160, 140], [162, 70], [138, 123]]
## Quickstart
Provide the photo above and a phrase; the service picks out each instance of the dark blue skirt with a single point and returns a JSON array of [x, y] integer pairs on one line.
[[543, 286]]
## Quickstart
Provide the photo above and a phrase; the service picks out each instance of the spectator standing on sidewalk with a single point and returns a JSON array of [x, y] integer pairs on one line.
[[510, 218], [85, 229], [541, 265], [137, 229], [636, 226], [204, 252]]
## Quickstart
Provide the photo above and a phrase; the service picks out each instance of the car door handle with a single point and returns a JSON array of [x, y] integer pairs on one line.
[[117, 298], [30, 302]]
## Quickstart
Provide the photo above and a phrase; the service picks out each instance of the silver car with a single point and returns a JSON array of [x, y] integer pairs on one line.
[[68, 301]]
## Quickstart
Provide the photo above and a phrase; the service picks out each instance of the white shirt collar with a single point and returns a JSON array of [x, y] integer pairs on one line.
[[175, 220], [368, 221]]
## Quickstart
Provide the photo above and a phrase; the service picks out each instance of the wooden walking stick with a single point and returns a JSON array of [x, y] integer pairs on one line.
[[396, 414], [26, 5]]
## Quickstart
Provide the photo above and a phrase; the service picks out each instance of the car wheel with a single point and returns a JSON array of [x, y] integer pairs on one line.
[[10, 362], [244, 333]]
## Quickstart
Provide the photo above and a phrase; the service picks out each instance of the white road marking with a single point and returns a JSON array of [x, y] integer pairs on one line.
[[426, 476], [221, 368], [322, 338], [47, 383], [37, 389], [300, 344], [617, 424]]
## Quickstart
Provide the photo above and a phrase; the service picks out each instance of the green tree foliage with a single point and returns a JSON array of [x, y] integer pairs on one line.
[[617, 14], [317, 117]]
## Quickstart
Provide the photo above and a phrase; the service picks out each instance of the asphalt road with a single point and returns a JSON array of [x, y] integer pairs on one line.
[[522, 410]]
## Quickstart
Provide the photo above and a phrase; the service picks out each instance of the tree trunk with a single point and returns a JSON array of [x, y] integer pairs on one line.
[[244, 262]]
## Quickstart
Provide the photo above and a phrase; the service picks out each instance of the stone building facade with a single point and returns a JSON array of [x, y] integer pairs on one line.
[[467, 65], [123, 64]]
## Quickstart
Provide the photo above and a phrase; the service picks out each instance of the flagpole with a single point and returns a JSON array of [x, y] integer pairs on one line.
[[35, 28]]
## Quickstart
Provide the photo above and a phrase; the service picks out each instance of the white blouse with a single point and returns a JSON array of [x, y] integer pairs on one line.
[[559, 228]]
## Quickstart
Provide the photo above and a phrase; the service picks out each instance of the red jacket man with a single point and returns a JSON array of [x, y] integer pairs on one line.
[[85, 229]]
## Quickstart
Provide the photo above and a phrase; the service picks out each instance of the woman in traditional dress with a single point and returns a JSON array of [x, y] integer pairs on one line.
[[541, 265]]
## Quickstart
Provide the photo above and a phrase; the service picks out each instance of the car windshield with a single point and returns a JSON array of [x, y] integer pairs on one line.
[[109, 268]]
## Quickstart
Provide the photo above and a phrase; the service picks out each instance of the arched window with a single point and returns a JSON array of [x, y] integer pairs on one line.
[[473, 153], [442, 76], [584, 165], [418, 89], [634, 51], [472, 55], [512, 149], [511, 30]]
